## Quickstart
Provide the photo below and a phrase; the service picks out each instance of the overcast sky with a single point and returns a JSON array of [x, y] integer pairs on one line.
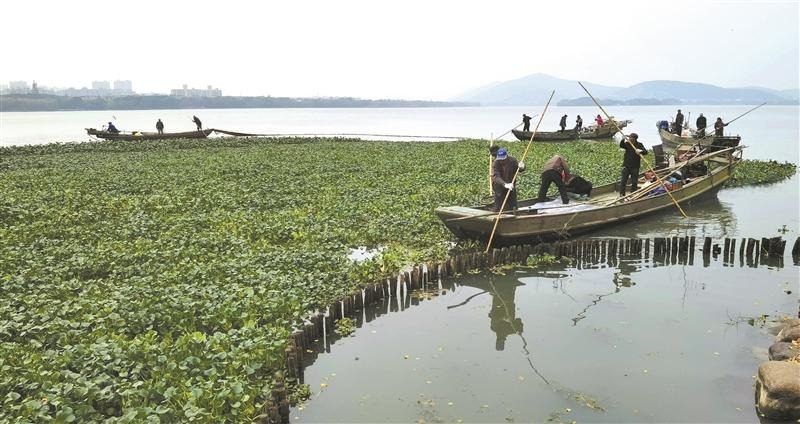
[[410, 49]]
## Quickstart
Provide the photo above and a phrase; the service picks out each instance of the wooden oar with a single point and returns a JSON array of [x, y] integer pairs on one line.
[[634, 147], [514, 179]]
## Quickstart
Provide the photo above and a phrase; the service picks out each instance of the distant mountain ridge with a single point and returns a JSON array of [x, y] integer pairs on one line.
[[536, 88]]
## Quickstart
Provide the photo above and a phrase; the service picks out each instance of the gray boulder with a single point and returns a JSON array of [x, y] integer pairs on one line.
[[782, 351], [778, 390], [788, 334]]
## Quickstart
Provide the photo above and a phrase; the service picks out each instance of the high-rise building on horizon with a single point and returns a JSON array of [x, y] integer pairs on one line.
[[123, 86]]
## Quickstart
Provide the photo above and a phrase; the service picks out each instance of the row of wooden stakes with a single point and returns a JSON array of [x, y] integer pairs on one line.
[[424, 276]]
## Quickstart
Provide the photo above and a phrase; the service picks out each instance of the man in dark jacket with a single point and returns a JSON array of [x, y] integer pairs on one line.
[[563, 123], [701, 125], [556, 170], [197, 122], [678, 122], [526, 120], [504, 169], [631, 162], [160, 127], [112, 129]]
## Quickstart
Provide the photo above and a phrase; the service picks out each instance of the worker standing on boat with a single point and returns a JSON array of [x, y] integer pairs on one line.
[[526, 120], [563, 123], [112, 129], [504, 169], [160, 127], [701, 125], [556, 170], [197, 122], [631, 163], [599, 121], [718, 126], [578, 124], [678, 122]]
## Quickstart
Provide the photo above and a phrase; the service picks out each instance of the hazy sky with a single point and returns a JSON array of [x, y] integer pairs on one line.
[[425, 49]]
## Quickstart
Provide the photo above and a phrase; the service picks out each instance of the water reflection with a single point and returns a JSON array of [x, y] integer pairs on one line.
[[707, 215], [503, 320]]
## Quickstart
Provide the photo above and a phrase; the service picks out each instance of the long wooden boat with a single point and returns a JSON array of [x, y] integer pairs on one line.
[[534, 222], [136, 135], [670, 141], [591, 132]]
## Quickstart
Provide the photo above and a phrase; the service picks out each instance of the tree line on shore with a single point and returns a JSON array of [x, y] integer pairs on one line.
[[46, 102]]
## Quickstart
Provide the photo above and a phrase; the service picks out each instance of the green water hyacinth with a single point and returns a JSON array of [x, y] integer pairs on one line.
[[158, 281]]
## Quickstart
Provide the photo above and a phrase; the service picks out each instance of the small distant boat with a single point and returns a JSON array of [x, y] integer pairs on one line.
[[535, 222], [137, 135], [591, 132], [670, 141]]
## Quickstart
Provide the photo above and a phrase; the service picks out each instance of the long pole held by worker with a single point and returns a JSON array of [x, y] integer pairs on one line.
[[729, 122], [513, 180], [491, 143], [613, 122], [762, 104]]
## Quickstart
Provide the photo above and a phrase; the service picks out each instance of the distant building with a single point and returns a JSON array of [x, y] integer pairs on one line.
[[123, 87], [18, 87], [185, 91], [99, 89], [101, 85]]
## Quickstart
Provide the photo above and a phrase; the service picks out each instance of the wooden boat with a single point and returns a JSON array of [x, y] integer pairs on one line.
[[670, 141], [136, 135], [534, 222], [591, 132]]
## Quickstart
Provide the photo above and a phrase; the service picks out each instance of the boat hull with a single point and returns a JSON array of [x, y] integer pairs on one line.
[[670, 141], [532, 228], [606, 131], [147, 135]]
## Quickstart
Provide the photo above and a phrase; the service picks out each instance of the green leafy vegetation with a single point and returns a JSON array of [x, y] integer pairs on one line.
[[158, 281], [345, 327], [750, 172]]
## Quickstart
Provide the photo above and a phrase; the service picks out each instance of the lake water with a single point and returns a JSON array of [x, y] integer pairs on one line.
[[771, 132], [636, 342]]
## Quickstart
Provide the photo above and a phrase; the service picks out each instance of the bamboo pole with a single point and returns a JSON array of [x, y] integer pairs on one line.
[[660, 181], [514, 179]]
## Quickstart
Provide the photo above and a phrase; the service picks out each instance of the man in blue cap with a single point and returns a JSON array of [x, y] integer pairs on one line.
[[504, 169]]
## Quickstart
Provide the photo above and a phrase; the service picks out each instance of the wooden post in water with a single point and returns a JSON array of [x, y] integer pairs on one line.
[[751, 244], [741, 251], [279, 396], [310, 333], [726, 250], [359, 300], [758, 253], [707, 246]]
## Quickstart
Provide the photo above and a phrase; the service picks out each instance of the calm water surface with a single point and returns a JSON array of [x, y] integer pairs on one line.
[[772, 132], [636, 342]]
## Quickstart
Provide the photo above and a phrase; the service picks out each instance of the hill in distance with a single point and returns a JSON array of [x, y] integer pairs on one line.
[[535, 89]]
